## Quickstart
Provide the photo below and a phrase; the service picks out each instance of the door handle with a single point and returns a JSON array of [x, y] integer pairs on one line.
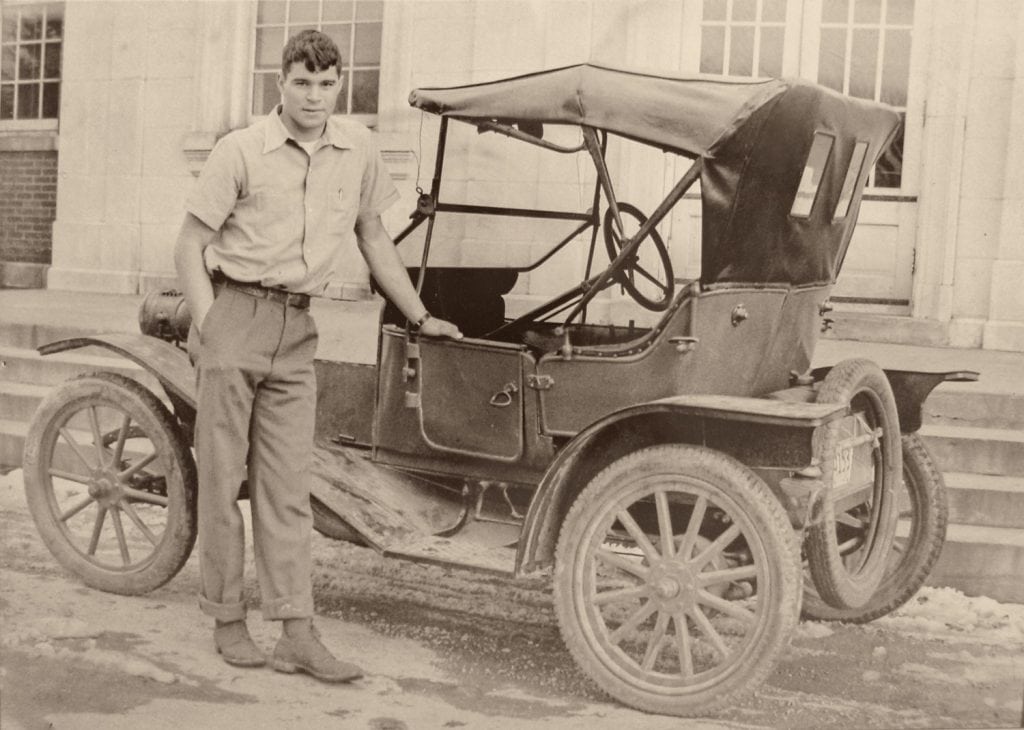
[[503, 398]]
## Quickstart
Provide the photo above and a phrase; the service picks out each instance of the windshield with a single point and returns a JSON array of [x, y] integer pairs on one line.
[[506, 204]]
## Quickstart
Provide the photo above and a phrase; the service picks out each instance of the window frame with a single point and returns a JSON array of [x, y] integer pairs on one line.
[[368, 120], [46, 125], [801, 46]]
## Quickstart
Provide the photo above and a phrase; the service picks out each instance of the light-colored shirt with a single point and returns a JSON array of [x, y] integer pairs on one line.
[[285, 216]]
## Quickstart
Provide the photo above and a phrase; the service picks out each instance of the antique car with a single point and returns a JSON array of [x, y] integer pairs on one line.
[[658, 445]]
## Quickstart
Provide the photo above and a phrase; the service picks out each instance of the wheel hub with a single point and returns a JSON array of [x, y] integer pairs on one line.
[[667, 588], [673, 584], [105, 489]]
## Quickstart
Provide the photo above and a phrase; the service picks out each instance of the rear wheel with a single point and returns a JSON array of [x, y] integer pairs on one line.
[[862, 470], [921, 532], [677, 580], [111, 483]]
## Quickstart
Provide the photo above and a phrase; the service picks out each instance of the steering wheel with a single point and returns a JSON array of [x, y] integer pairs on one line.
[[646, 288]]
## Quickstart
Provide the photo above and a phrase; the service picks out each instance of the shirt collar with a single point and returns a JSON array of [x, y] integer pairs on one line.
[[276, 134]]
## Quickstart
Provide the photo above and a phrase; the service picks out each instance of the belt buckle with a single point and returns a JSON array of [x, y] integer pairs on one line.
[[292, 299]]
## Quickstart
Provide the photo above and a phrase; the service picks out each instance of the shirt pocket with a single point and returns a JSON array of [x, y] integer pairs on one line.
[[280, 215], [341, 214]]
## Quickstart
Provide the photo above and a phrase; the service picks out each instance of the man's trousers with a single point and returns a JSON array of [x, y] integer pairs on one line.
[[256, 391]]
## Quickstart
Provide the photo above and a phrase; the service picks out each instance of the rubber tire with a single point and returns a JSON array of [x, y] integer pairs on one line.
[[621, 277], [328, 524], [929, 513], [745, 494], [147, 411], [835, 584]]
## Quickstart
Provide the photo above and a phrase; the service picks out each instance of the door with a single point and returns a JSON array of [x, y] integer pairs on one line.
[[863, 48], [471, 397]]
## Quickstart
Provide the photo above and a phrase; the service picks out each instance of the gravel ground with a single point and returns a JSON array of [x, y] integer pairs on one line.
[[448, 648]]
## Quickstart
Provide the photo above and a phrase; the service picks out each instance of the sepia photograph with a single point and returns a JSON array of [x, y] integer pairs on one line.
[[511, 364]]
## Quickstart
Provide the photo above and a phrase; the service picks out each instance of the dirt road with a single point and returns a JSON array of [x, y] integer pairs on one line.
[[446, 648]]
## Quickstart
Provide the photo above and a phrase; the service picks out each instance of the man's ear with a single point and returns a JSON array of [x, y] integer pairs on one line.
[[280, 82]]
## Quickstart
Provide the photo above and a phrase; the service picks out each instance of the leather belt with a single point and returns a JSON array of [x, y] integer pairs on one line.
[[282, 296]]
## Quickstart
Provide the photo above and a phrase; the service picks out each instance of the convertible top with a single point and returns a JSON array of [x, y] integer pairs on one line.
[[753, 139], [687, 115]]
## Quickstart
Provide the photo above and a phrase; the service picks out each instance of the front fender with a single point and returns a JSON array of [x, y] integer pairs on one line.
[[168, 363], [757, 431]]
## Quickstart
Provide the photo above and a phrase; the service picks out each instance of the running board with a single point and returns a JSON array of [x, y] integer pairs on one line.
[[385, 506], [452, 551], [402, 515]]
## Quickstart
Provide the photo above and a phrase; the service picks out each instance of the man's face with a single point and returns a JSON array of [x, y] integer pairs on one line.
[[307, 99]]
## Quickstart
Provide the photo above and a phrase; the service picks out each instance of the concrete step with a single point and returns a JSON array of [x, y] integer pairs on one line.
[[982, 561], [18, 401], [22, 365], [30, 335], [12, 442], [976, 450], [975, 408], [985, 500]]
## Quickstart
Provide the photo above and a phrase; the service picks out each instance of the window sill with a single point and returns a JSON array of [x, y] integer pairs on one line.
[[28, 140]]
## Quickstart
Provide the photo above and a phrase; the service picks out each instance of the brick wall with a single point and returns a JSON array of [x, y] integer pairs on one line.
[[28, 205]]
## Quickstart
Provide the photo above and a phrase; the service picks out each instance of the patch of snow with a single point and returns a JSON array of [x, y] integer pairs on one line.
[[12, 491], [59, 627], [813, 630], [947, 613], [923, 671], [856, 710], [123, 663], [115, 661]]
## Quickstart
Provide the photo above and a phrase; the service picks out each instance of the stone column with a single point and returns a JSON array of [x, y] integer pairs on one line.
[[949, 34], [1004, 329]]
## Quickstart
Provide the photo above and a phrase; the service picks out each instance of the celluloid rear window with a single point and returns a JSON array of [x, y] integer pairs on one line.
[[811, 179], [852, 176]]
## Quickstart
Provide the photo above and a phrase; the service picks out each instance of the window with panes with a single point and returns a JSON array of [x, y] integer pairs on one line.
[[30, 60], [355, 25], [857, 47]]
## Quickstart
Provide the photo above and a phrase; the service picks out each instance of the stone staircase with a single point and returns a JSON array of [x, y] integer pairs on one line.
[[977, 439], [976, 436]]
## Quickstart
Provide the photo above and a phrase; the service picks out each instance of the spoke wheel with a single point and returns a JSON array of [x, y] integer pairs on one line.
[[677, 580], [648, 279], [920, 534], [111, 483], [848, 548]]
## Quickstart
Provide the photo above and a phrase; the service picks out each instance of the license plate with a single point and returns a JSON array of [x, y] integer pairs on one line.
[[842, 470]]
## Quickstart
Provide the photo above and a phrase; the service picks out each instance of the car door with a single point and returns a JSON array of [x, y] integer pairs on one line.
[[471, 397]]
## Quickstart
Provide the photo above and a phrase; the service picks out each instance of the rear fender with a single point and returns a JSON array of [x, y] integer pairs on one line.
[[761, 433], [911, 388], [169, 364]]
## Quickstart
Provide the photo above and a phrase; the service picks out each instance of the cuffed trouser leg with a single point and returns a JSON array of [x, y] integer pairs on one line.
[[256, 393], [280, 456]]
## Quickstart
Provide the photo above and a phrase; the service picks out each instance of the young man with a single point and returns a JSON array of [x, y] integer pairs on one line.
[[263, 232]]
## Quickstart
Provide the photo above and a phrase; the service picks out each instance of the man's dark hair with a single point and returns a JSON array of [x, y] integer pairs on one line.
[[313, 49]]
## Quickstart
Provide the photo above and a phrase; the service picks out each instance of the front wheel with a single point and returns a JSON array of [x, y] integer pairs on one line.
[[677, 580], [111, 483]]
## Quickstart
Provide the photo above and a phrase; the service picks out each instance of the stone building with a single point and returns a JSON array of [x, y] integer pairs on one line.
[[107, 110]]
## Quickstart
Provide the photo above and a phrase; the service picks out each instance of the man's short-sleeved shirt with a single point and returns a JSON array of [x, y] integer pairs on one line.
[[285, 216]]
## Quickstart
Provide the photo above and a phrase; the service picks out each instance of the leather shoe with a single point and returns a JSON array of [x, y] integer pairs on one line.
[[300, 650], [236, 646]]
